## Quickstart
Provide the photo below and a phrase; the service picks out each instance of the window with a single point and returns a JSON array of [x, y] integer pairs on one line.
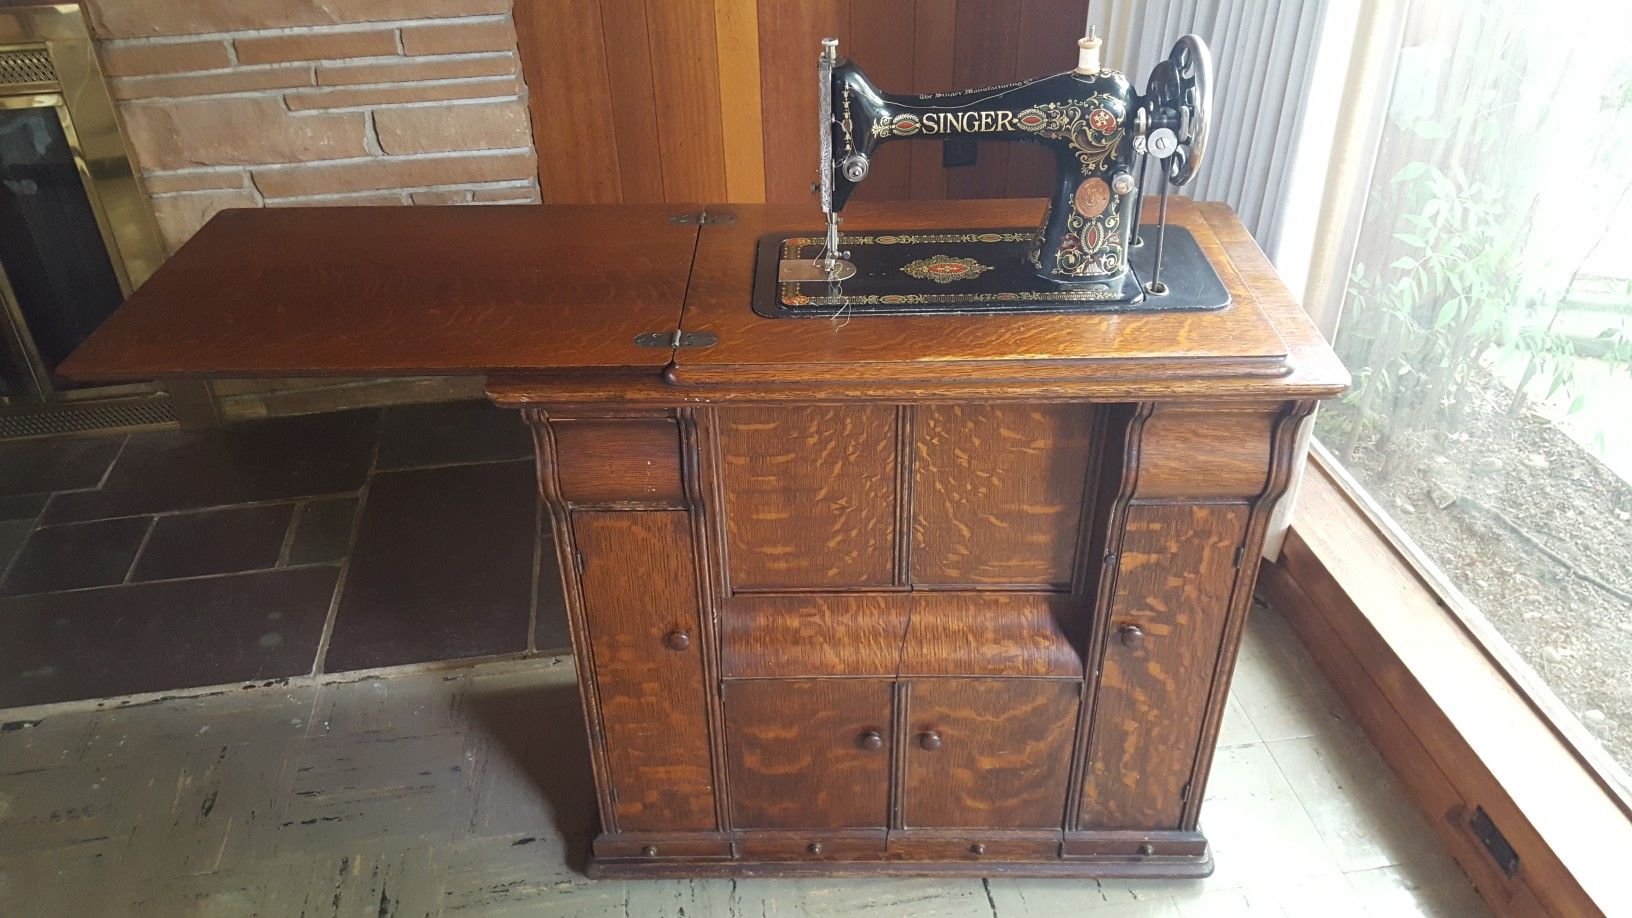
[[1487, 319]]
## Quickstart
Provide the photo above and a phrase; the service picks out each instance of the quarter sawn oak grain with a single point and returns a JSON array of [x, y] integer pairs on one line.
[[791, 556]]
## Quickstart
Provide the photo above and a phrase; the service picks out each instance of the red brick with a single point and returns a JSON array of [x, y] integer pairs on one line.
[[143, 18], [180, 215], [312, 100], [459, 37], [164, 57], [235, 132], [505, 196], [444, 128], [340, 178], [411, 70], [384, 198], [317, 46], [441, 197], [209, 84], [167, 182]]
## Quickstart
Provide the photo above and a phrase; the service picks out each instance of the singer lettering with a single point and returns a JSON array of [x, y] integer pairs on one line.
[[966, 122]]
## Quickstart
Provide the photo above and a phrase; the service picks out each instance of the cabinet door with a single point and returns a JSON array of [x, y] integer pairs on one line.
[[808, 754], [994, 753], [997, 493], [1176, 572], [639, 588], [810, 495]]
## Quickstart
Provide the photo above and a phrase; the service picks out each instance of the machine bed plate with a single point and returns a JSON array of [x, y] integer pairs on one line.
[[984, 271]]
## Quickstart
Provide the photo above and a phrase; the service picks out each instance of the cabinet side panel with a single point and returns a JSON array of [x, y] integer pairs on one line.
[[1175, 572], [989, 753], [809, 496], [639, 586], [801, 757], [997, 493]]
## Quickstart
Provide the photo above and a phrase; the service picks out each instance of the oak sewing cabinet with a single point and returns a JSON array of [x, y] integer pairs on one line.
[[912, 594]]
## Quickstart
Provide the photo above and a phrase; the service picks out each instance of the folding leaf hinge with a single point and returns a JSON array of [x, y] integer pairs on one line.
[[1184, 793], [1496, 844], [676, 338], [704, 217]]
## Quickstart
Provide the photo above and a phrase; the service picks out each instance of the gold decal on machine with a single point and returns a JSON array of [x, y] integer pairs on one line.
[[944, 269]]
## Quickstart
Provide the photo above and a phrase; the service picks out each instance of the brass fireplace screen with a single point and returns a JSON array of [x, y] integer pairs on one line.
[[76, 234]]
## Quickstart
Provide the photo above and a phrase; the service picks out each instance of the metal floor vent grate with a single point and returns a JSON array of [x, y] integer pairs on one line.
[[26, 66], [72, 418]]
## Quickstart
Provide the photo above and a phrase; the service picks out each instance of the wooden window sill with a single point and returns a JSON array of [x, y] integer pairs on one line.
[[1460, 735]]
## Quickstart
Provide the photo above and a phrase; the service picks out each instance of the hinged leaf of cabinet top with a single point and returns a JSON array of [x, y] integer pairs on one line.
[[353, 291]]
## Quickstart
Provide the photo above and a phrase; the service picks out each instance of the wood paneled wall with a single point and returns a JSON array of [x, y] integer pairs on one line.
[[649, 101]]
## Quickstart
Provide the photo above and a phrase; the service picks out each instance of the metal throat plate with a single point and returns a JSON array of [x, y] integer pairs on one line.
[[973, 271]]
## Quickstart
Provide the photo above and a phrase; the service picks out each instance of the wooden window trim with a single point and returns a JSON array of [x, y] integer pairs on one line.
[[1450, 719]]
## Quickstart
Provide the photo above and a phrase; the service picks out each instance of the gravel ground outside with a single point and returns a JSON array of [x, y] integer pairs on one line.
[[1535, 530]]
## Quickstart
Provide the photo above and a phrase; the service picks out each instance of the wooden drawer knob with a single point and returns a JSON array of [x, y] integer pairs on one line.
[[872, 741], [929, 741], [677, 639], [1132, 636]]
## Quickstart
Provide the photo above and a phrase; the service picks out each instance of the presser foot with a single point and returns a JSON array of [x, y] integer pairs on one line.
[[814, 270]]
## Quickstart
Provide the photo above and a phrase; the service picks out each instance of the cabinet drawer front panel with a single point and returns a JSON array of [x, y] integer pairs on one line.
[[1201, 452], [639, 587], [799, 756], [623, 460], [994, 634], [809, 495], [801, 635], [1175, 574], [974, 845], [994, 753], [997, 492], [820, 845]]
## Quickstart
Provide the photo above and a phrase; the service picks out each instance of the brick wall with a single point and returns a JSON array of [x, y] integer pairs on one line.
[[251, 103]]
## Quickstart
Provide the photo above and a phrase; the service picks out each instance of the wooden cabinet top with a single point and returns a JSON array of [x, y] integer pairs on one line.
[[548, 300]]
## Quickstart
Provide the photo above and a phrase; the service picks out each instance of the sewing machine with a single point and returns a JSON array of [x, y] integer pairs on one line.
[[1088, 254]]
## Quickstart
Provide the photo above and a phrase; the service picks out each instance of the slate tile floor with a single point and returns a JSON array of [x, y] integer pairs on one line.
[[276, 548], [466, 792]]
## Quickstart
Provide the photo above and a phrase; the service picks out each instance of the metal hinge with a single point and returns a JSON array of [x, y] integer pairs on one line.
[[704, 217], [1494, 841], [1184, 793], [676, 338], [578, 561], [1240, 554]]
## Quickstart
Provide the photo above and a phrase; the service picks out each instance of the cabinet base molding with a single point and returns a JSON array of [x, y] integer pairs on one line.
[[941, 853]]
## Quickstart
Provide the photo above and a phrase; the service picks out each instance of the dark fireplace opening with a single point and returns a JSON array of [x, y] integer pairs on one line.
[[76, 233], [61, 280]]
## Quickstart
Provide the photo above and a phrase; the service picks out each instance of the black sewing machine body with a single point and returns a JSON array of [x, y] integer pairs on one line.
[[1082, 120], [1089, 252]]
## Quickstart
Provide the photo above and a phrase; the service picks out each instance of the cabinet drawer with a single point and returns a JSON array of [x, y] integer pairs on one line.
[[973, 845], [662, 844], [989, 752], [811, 846], [808, 754], [619, 461]]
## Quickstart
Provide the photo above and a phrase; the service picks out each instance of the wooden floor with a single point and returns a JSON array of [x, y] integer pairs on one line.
[[466, 792]]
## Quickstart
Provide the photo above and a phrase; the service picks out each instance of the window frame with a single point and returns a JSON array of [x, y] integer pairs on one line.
[[1413, 659]]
